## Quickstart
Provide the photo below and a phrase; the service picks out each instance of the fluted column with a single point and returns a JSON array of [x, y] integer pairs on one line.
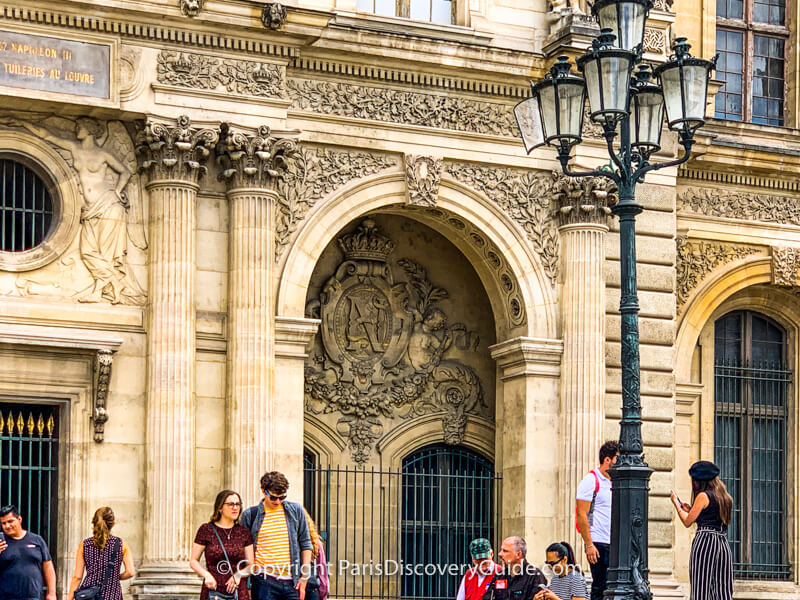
[[250, 163], [583, 214], [173, 156]]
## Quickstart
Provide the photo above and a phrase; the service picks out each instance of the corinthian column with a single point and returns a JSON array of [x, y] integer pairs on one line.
[[173, 156], [583, 214], [249, 164]]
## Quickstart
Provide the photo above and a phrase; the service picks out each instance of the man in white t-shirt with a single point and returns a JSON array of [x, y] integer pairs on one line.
[[594, 516]]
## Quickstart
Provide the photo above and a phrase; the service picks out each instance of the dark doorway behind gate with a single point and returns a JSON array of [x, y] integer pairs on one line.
[[403, 533], [29, 466]]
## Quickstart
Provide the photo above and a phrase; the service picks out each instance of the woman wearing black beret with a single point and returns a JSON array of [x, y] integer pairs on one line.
[[711, 563]]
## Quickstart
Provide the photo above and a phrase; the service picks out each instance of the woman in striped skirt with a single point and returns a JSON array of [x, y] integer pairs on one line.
[[711, 563]]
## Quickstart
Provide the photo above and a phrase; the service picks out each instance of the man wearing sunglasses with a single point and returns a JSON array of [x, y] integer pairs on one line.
[[282, 543]]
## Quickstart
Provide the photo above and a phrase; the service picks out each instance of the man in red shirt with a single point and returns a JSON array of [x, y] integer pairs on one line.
[[477, 578]]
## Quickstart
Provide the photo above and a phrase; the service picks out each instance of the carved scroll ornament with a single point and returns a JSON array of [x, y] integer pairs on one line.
[[696, 259], [400, 106], [310, 175], [746, 206], [201, 71], [384, 347], [525, 196]]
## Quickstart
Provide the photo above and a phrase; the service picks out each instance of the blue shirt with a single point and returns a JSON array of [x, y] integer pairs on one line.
[[21, 576]]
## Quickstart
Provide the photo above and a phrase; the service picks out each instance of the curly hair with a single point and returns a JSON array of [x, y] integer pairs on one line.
[[93, 126], [274, 481]]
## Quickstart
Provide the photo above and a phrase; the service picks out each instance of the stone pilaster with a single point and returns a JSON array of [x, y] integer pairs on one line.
[[583, 213], [250, 164], [529, 369], [173, 156]]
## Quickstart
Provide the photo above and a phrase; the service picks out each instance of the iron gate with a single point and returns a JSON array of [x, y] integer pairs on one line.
[[404, 533], [29, 465]]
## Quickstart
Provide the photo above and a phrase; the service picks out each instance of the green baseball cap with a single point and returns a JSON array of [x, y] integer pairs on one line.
[[480, 548]]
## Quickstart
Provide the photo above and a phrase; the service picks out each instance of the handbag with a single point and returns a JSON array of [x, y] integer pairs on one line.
[[214, 594], [93, 592]]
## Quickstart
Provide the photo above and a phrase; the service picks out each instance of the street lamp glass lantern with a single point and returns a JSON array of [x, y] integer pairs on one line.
[[625, 18], [529, 121], [684, 80], [607, 70], [647, 112], [561, 97]]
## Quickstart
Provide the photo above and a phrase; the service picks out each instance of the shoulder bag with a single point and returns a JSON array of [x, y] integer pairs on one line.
[[214, 594], [93, 592]]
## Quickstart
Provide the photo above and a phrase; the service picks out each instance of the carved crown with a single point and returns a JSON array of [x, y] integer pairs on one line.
[[262, 75], [181, 64], [366, 243]]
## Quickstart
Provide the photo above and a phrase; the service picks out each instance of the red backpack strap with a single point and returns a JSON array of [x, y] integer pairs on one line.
[[596, 482]]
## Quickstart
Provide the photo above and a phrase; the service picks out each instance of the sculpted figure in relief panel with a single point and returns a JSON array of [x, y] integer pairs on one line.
[[113, 209]]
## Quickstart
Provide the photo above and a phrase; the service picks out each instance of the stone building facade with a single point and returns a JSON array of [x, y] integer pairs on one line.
[[240, 236]]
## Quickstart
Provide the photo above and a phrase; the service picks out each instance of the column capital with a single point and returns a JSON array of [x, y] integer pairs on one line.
[[174, 151], [252, 160], [528, 356], [584, 200]]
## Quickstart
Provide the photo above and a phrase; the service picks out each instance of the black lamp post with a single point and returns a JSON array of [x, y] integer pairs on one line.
[[630, 108]]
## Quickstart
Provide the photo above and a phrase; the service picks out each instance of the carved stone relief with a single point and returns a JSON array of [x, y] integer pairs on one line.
[[313, 174], [400, 106], [273, 15], [655, 40], [104, 360], [200, 71], [786, 266], [697, 258], [131, 75], [665, 5], [515, 307], [191, 8], [525, 196], [113, 213], [746, 206], [423, 174], [385, 345], [175, 150], [252, 159]]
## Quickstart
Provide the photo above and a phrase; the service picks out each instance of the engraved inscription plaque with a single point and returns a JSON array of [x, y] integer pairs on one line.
[[49, 64]]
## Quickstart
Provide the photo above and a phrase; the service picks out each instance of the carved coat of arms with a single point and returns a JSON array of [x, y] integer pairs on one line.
[[384, 347]]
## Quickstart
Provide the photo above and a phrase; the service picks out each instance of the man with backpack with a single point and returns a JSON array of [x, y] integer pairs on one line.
[[593, 516]]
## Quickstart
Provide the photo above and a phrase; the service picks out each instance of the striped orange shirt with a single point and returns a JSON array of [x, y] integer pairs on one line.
[[272, 545]]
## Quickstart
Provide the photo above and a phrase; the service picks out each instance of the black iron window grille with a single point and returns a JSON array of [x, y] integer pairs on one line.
[[751, 383], [26, 207], [381, 525], [29, 466]]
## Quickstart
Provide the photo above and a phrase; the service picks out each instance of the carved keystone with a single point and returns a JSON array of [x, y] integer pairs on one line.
[[423, 175]]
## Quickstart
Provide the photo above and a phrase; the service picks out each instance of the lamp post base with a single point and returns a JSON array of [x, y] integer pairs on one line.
[[628, 570]]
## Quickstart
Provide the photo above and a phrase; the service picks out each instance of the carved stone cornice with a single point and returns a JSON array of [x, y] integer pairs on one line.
[[175, 151], [786, 266], [745, 206], [584, 200], [241, 77], [697, 258], [252, 160], [423, 175], [310, 175], [401, 106], [526, 197]]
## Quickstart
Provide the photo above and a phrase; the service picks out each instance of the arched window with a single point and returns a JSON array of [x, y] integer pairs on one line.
[[310, 484], [26, 207], [751, 382], [449, 499]]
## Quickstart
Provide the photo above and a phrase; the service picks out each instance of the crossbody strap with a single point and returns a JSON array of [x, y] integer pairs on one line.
[[225, 552], [111, 561]]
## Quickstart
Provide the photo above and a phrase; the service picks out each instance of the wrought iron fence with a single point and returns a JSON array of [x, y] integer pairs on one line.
[[750, 449], [29, 465], [401, 533]]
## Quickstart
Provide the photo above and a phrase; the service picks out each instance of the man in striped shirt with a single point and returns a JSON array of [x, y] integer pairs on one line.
[[282, 543]]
